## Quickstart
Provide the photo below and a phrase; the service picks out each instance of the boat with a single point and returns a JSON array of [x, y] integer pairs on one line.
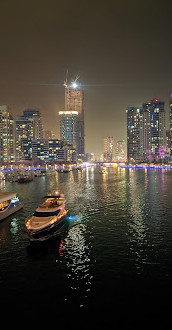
[[25, 176], [48, 218], [12, 176], [9, 204], [25, 179]]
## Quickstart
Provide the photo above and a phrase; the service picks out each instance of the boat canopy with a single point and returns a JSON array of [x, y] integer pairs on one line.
[[46, 214], [4, 196]]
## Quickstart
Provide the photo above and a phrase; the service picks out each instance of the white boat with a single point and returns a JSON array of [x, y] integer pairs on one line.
[[9, 204], [48, 218]]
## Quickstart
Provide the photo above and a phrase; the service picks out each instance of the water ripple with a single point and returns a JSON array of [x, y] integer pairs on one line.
[[118, 230]]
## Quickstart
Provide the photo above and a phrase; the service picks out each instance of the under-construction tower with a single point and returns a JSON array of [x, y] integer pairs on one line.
[[74, 101]]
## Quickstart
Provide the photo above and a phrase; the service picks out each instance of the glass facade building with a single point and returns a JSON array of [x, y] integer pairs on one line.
[[146, 132], [7, 151], [28, 129], [133, 134], [69, 128], [156, 112]]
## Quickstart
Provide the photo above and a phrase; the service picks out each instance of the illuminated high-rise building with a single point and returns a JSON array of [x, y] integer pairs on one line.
[[37, 123], [28, 129], [56, 151], [156, 112], [108, 149], [133, 134], [170, 124], [7, 153], [24, 138], [69, 128], [120, 150], [74, 101], [40, 150], [146, 132]]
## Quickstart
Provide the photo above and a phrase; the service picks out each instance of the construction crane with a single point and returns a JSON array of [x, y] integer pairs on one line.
[[65, 82], [74, 84]]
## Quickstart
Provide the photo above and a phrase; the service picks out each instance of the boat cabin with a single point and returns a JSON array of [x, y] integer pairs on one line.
[[5, 200], [52, 202]]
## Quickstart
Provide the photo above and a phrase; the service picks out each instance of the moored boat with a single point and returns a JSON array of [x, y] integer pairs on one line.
[[48, 218], [25, 176], [9, 204]]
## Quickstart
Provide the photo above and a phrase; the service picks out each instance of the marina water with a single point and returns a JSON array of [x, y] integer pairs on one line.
[[113, 259]]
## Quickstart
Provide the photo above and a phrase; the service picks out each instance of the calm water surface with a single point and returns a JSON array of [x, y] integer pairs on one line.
[[112, 261]]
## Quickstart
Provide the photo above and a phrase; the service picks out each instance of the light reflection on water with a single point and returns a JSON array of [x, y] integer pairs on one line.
[[119, 227], [75, 251]]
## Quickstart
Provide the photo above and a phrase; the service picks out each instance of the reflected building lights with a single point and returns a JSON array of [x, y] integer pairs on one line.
[[137, 227], [75, 251]]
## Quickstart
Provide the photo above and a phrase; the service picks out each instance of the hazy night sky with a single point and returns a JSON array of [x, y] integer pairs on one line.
[[121, 50]]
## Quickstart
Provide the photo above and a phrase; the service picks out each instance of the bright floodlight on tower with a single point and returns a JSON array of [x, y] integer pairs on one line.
[[74, 85]]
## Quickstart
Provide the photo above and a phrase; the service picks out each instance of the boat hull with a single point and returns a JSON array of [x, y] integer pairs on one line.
[[24, 180], [47, 232], [10, 211]]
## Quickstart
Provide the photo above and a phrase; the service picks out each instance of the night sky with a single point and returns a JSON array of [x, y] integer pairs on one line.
[[122, 51]]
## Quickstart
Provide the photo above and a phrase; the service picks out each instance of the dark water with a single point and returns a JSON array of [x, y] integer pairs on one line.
[[113, 261]]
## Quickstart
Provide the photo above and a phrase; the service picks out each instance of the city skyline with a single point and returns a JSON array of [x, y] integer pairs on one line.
[[76, 103], [86, 162], [123, 58], [122, 132]]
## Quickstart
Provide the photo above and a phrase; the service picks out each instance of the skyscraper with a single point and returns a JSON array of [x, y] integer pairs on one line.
[[108, 149], [120, 150], [69, 128], [24, 138], [74, 101], [158, 131], [28, 129], [170, 124], [7, 153], [37, 123], [133, 134], [146, 133]]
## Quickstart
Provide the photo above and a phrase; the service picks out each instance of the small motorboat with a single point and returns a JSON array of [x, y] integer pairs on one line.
[[9, 204], [48, 218]]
